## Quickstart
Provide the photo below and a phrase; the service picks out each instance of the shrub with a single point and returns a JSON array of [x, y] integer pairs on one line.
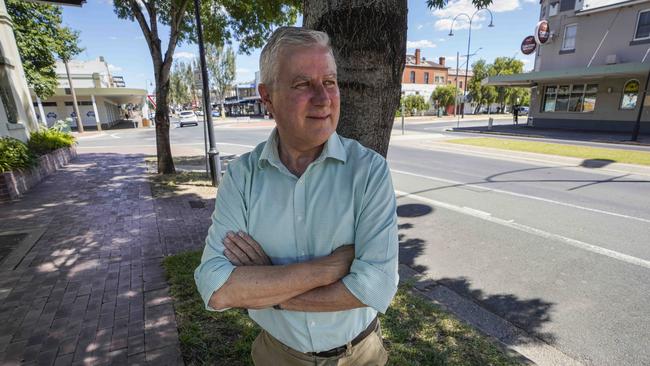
[[14, 154], [44, 141]]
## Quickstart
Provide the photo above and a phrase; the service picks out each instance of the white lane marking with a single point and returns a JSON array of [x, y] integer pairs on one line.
[[114, 135], [524, 196], [531, 230]]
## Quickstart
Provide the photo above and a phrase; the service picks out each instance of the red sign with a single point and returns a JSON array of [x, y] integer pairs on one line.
[[528, 45], [542, 33]]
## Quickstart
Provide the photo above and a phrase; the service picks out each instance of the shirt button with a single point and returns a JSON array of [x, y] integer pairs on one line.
[[313, 324]]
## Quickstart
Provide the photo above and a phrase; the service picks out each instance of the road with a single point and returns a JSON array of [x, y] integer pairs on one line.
[[558, 250]]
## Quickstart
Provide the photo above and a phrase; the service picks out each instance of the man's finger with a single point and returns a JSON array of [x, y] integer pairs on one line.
[[235, 250], [255, 246], [246, 248], [231, 257]]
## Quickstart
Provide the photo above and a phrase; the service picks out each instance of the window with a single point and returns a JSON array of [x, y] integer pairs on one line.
[[7, 98], [460, 84], [630, 94], [570, 98], [567, 5], [440, 79], [412, 78], [426, 78], [643, 25], [569, 42]]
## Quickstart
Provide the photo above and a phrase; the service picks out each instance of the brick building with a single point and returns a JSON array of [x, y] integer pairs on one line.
[[421, 77]]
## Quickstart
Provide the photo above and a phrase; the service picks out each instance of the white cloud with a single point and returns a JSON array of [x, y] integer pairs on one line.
[[420, 26], [183, 54], [112, 38], [420, 44], [244, 74], [441, 39], [455, 7], [114, 68]]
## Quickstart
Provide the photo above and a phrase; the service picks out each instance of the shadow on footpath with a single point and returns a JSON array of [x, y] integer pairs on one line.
[[92, 288], [527, 314]]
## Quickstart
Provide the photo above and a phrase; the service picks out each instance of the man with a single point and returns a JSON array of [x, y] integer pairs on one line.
[[304, 232]]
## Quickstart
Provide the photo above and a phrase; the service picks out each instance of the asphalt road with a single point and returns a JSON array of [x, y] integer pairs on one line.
[[558, 250]]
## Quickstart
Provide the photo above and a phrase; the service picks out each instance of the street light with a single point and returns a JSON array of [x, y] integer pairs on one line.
[[469, 41]]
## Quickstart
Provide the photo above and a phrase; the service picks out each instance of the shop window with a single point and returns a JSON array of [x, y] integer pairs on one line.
[[643, 25], [570, 98], [569, 41], [426, 78], [412, 78], [630, 94]]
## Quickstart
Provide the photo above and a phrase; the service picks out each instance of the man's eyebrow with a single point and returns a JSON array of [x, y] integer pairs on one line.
[[307, 78]]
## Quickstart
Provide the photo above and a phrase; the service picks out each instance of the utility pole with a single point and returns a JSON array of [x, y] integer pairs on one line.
[[80, 126], [213, 153]]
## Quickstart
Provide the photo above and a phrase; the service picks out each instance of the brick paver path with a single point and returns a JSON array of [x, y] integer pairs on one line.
[[92, 290]]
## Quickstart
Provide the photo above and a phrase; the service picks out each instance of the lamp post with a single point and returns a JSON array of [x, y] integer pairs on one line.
[[469, 41]]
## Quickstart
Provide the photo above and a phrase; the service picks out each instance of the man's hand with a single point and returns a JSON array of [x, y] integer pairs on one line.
[[243, 250], [340, 261]]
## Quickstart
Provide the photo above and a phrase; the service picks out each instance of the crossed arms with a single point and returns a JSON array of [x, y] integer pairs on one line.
[[235, 271], [308, 286]]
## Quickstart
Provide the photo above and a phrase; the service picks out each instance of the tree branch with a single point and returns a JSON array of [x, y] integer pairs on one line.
[[176, 20], [149, 36]]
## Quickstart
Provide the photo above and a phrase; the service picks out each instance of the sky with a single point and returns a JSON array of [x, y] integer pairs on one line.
[[124, 48]]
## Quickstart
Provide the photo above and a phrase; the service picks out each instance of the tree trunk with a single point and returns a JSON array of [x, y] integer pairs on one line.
[[369, 42], [163, 147]]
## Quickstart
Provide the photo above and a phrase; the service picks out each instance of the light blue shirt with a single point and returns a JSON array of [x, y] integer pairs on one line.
[[345, 196]]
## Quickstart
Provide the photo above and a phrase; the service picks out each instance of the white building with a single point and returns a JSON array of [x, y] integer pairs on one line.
[[100, 95]]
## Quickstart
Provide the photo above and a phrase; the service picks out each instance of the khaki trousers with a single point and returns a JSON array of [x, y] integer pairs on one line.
[[268, 351]]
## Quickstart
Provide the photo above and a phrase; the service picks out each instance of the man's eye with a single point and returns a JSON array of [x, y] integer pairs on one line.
[[330, 82], [301, 85]]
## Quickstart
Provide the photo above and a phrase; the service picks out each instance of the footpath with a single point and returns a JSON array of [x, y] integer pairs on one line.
[[91, 289]]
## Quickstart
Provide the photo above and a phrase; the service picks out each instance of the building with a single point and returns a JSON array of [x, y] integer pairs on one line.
[[421, 77], [458, 77], [591, 63], [17, 114], [244, 99], [102, 97]]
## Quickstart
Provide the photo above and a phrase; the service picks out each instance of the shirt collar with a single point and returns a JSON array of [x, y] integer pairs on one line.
[[333, 149]]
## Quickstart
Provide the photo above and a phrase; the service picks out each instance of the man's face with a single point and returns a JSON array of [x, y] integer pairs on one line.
[[304, 99]]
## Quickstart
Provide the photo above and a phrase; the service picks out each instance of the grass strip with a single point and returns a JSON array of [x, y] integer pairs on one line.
[[575, 151], [416, 332]]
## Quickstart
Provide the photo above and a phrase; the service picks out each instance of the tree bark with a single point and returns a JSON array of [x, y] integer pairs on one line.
[[369, 42], [163, 146]]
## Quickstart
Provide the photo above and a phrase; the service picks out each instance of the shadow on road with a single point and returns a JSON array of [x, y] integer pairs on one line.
[[527, 314]]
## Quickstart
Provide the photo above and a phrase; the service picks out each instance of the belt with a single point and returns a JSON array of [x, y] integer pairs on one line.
[[341, 349]]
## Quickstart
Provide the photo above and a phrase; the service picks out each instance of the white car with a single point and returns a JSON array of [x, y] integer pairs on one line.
[[188, 118]]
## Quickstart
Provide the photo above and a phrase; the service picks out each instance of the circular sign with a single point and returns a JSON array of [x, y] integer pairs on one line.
[[528, 45], [542, 34]]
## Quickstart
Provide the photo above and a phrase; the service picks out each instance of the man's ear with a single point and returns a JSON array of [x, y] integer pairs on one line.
[[265, 95]]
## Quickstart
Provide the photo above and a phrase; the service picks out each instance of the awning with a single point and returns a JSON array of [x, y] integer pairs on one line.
[[116, 95], [574, 74]]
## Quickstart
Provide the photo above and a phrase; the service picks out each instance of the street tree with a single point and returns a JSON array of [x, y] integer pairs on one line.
[[482, 94], [414, 104], [444, 95], [506, 66], [221, 68], [369, 42], [249, 22], [179, 90], [41, 39]]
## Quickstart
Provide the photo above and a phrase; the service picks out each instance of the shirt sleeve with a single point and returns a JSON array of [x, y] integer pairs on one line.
[[229, 215], [373, 276]]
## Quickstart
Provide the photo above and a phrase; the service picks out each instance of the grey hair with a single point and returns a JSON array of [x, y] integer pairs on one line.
[[285, 37]]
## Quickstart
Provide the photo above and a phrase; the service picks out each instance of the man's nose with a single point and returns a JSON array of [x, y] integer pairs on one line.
[[320, 96]]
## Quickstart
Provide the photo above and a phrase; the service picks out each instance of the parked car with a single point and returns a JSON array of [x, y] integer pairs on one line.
[[215, 113], [188, 118], [199, 112], [523, 110]]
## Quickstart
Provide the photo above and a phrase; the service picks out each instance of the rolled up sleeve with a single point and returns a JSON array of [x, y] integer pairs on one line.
[[229, 215], [373, 276]]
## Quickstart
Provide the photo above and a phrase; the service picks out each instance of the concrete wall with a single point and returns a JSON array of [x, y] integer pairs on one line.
[[13, 84]]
